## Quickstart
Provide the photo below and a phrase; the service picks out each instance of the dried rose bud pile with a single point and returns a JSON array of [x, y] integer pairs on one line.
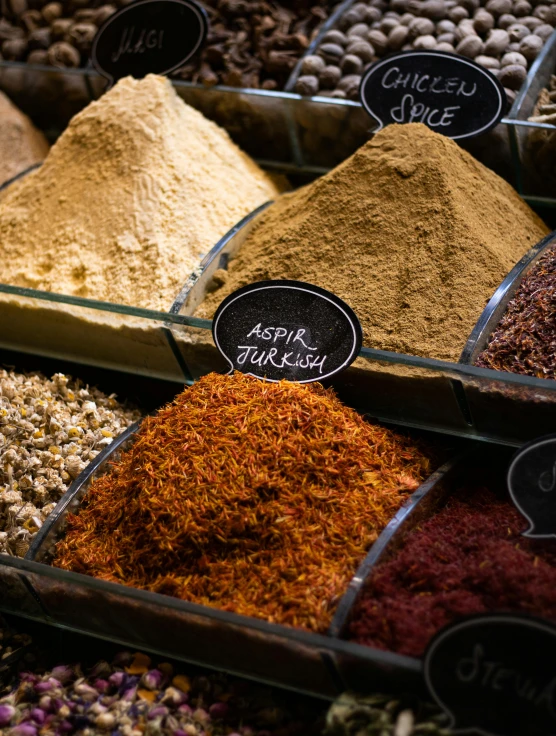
[[130, 698], [50, 429]]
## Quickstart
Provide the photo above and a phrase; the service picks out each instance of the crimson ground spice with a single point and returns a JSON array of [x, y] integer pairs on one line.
[[469, 558], [254, 497], [524, 340]]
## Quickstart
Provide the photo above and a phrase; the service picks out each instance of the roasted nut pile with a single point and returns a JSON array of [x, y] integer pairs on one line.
[[505, 36], [49, 431], [130, 698], [250, 44], [56, 34]]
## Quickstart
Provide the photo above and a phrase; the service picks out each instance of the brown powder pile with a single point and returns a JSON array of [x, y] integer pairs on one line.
[[411, 231], [136, 190], [21, 144]]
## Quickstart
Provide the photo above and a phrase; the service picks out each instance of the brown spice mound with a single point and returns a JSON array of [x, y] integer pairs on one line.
[[21, 144], [411, 231], [253, 497], [524, 340]]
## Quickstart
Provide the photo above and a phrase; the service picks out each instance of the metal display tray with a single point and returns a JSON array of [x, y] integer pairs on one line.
[[537, 187], [277, 654]]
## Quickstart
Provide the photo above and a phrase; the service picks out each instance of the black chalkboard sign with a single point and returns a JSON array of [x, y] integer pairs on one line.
[[532, 485], [286, 329], [149, 37], [495, 674], [451, 95]]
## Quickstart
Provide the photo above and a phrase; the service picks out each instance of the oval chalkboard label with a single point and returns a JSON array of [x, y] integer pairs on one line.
[[532, 485], [451, 95], [286, 329], [495, 674], [149, 37]]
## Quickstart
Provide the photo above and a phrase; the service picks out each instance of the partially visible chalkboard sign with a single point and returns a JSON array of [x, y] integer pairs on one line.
[[451, 95], [495, 674], [149, 37], [286, 329], [532, 485]]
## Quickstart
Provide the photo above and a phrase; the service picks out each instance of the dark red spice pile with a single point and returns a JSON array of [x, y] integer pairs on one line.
[[469, 558], [525, 339]]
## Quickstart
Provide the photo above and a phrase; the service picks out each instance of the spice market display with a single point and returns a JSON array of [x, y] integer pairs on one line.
[[277, 491], [468, 558], [50, 429], [427, 233], [306, 536]]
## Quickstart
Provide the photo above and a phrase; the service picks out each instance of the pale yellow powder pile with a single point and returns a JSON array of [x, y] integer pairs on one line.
[[136, 190]]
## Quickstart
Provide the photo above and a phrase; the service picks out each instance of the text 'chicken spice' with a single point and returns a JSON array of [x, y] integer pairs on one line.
[[254, 497]]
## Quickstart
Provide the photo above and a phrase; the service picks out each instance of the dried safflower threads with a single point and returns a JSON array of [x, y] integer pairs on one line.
[[524, 340], [253, 497], [49, 430], [469, 558]]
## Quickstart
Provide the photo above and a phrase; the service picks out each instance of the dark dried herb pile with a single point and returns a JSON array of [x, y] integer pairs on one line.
[[254, 497], [525, 339], [469, 558]]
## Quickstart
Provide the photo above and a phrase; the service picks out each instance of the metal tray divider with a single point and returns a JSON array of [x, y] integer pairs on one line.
[[429, 494], [497, 304]]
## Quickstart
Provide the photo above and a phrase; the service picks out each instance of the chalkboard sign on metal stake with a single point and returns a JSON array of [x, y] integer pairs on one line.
[[495, 675], [286, 329], [532, 485], [448, 93], [149, 37]]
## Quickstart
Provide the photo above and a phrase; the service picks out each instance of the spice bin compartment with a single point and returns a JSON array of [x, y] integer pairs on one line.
[[535, 156], [523, 404], [429, 501], [422, 504], [253, 647], [496, 306]]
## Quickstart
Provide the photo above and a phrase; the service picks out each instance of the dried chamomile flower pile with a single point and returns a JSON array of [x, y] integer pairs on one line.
[[50, 429], [129, 697]]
